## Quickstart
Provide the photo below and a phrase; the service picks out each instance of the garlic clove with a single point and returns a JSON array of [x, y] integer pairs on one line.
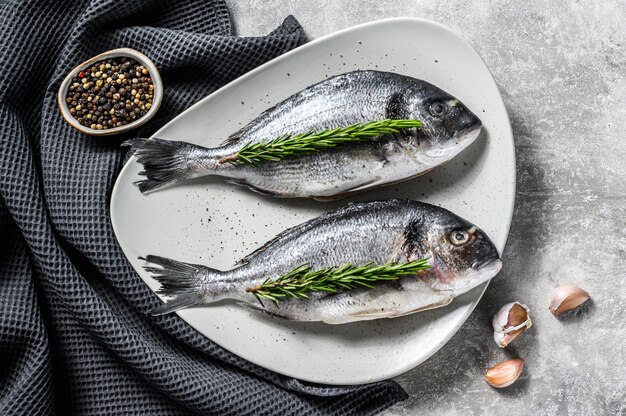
[[518, 314], [510, 322], [565, 298], [504, 374], [504, 339]]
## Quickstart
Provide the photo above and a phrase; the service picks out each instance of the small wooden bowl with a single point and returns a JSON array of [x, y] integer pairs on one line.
[[157, 97]]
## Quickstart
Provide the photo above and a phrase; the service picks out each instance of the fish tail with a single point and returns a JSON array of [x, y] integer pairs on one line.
[[166, 162], [176, 304], [184, 283]]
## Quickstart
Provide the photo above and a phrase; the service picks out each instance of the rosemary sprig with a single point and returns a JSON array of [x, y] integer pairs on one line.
[[312, 142], [302, 280]]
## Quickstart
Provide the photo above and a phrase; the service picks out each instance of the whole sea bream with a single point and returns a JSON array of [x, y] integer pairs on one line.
[[340, 101], [399, 231]]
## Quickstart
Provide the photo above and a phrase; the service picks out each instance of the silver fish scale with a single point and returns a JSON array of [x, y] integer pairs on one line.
[[340, 101], [318, 175], [372, 232], [328, 105], [357, 234]]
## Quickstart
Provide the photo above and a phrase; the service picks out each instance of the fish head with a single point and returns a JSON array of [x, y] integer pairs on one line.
[[461, 255], [448, 125]]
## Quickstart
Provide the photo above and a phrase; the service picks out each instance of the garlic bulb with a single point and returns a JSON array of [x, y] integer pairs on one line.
[[510, 322], [565, 298], [504, 374]]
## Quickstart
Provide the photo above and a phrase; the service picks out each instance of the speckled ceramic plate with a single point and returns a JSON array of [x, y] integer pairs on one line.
[[207, 221]]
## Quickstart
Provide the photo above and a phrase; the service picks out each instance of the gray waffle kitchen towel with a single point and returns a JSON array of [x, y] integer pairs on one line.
[[74, 337]]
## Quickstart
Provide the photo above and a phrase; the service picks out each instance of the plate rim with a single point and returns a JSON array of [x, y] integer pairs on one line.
[[367, 25]]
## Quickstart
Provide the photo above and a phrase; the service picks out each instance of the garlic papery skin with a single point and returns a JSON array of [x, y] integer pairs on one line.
[[565, 298], [510, 322], [504, 374]]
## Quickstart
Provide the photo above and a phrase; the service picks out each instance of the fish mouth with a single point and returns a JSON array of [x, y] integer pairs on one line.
[[490, 266], [477, 275], [486, 263], [459, 141], [468, 135]]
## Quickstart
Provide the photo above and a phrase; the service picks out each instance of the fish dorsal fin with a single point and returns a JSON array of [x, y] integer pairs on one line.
[[235, 137], [297, 230], [284, 235], [302, 228], [246, 259]]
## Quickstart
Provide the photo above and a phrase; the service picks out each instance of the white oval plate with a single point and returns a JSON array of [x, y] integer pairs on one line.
[[210, 222]]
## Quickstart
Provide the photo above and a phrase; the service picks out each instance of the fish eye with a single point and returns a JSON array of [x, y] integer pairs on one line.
[[439, 109], [459, 237]]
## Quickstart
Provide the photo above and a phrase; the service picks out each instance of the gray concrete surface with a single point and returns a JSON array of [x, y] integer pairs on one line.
[[560, 66]]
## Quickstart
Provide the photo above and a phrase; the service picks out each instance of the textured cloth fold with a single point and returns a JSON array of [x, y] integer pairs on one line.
[[74, 338]]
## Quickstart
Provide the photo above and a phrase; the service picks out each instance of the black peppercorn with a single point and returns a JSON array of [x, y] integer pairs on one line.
[[100, 96]]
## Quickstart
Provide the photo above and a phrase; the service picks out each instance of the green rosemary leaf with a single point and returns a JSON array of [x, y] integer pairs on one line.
[[289, 145], [301, 281]]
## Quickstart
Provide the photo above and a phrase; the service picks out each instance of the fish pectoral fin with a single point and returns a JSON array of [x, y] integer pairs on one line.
[[435, 305], [377, 314]]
